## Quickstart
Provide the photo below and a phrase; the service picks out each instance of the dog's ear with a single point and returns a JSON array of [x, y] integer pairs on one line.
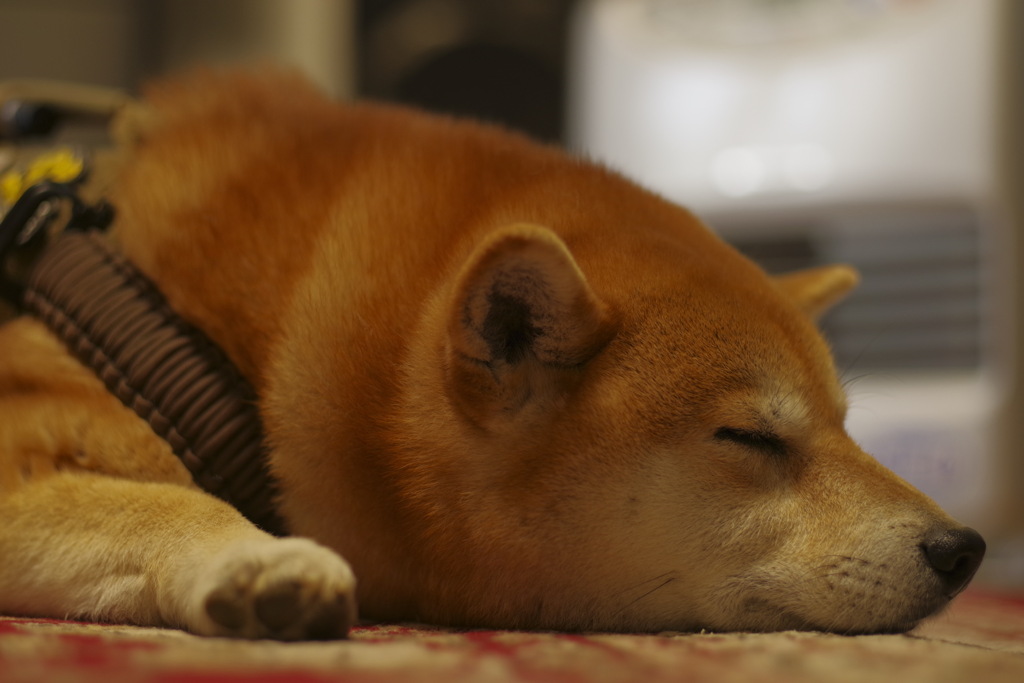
[[521, 324], [816, 290]]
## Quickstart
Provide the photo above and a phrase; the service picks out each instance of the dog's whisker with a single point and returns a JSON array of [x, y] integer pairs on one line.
[[661, 585], [642, 583]]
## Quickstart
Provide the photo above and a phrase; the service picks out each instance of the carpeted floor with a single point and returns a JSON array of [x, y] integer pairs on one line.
[[979, 640]]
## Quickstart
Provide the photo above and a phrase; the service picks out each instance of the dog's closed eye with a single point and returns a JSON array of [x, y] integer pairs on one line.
[[758, 440]]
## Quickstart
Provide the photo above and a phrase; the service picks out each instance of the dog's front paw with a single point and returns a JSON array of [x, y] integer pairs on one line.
[[285, 589]]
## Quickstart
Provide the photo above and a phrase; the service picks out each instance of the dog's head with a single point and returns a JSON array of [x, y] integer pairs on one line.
[[656, 443]]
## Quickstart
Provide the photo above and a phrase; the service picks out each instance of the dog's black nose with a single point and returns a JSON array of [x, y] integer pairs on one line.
[[955, 554]]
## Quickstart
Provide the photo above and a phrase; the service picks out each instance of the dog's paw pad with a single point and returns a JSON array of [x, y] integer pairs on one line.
[[280, 605], [289, 589], [226, 610]]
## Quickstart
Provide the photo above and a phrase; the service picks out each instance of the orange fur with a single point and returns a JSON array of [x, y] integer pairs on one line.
[[493, 379]]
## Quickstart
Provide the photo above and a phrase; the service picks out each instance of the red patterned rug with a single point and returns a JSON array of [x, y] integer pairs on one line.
[[980, 639]]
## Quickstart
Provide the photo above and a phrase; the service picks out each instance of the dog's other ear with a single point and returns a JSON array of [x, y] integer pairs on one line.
[[816, 290], [522, 323]]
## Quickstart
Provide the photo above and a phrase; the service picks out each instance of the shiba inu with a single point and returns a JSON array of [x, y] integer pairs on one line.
[[501, 387]]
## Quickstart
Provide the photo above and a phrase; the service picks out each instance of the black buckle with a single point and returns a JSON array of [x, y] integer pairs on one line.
[[28, 219]]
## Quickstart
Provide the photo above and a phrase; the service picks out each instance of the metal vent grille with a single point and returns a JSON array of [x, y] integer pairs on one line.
[[919, 305]]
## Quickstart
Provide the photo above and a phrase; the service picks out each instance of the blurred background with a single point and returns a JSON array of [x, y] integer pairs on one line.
[[882, 133]]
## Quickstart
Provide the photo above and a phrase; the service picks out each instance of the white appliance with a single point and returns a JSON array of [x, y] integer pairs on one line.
[[870, 132]]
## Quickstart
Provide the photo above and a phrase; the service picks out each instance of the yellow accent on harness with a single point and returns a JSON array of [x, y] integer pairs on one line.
[[61, 166]]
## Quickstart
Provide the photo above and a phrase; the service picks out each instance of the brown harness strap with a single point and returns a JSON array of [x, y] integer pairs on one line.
[[116, 322]]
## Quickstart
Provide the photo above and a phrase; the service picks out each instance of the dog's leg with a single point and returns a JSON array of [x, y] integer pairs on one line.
[[89, 546]]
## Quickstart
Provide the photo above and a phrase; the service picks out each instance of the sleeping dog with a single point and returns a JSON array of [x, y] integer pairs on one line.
[[500, 387]]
